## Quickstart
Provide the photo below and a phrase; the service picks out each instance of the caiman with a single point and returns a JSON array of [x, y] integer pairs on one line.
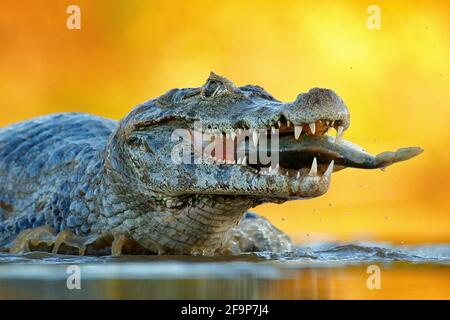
[[76, 183]]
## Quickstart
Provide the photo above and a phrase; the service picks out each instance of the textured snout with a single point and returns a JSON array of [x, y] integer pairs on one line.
[[316, 104]]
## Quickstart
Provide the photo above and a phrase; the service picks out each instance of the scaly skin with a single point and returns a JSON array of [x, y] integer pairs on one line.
[[99, 178]]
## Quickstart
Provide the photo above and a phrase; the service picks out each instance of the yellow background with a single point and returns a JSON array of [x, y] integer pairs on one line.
[[395, 82]]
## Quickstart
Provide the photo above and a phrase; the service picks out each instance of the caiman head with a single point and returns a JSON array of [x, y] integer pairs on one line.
[[223, 140]]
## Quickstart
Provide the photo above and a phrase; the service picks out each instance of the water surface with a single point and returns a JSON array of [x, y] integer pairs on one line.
[[324, 271]]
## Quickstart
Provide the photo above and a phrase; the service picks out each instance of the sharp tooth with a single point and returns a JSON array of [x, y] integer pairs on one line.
[[298, 174], [277, 167], [273, 130], [312, 126], [233, 135], [207, 136], [298, 131], [244, 161], [239, 161], [287, 173], [255, 138], [339, 132], [332, 123], [216, 91], [313, 171], [288, 123], [327, 122], [279, 124], [329, 169], [270, 169]]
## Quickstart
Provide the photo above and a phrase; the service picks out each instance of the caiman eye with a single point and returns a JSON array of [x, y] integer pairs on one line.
[[212, 87], [217, 85]]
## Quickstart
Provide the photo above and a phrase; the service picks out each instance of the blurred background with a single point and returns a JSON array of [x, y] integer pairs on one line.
[[394, 80]]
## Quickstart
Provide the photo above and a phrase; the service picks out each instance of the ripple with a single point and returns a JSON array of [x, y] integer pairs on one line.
[[364, 253], [324, 252]]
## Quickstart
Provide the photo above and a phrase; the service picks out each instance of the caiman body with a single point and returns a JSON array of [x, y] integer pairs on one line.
[[79, 181]]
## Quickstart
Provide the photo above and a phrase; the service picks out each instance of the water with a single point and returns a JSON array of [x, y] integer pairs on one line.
[[324, 271]]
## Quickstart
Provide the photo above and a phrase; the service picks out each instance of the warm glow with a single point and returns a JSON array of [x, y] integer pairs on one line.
[[395, 81]]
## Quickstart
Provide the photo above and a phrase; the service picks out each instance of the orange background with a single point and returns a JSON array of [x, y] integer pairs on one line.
[[395, 82]]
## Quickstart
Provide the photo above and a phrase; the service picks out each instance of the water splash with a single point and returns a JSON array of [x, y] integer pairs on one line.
[[328, 252], [364, 252]]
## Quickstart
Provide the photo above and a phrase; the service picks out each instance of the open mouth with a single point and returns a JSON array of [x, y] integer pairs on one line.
[[292, 150]]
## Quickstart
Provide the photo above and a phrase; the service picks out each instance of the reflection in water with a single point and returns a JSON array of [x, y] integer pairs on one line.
[[322, 272]]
